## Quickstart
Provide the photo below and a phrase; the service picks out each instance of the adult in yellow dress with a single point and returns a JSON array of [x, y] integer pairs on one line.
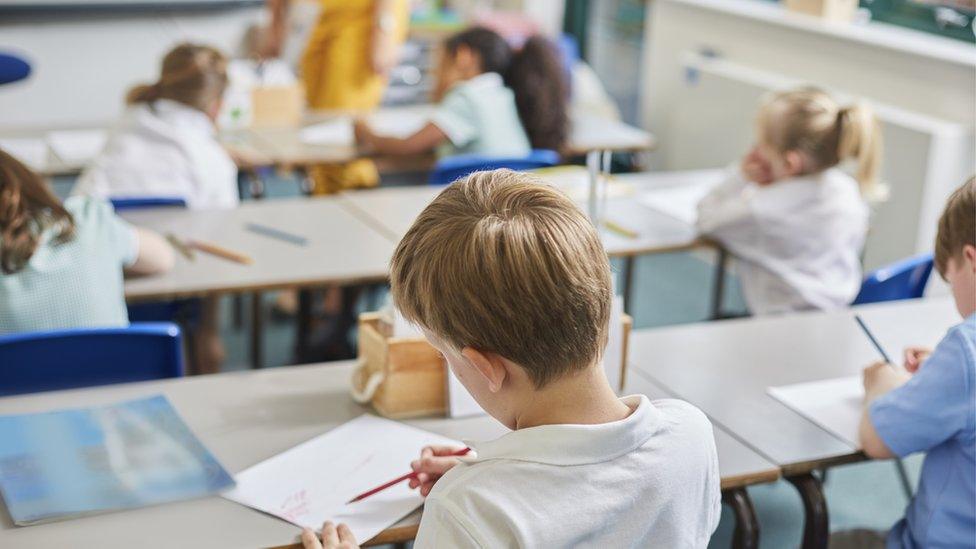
[[351, 49]]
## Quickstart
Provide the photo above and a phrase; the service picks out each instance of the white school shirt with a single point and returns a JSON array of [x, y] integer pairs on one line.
[[649, 480], [797, 242], [163, 149]]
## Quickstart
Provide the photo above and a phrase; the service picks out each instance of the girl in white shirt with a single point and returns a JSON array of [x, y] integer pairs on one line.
[[794, 221], [166, 143]]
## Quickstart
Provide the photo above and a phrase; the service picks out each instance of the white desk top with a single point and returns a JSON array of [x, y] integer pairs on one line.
[[340, 248], [284, 146], [246, 417], [392, 210], [725, 367]]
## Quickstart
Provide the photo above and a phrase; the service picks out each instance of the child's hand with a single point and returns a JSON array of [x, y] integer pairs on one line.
[[362, 131], [433, 463], [914, 356], [881, 377], [333, 537], [756, 169]]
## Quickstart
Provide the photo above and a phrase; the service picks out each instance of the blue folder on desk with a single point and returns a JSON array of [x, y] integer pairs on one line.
[[67, 463]]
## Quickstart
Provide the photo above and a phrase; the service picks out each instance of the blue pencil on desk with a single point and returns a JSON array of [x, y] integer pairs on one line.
[[874, 341], [277, 233]]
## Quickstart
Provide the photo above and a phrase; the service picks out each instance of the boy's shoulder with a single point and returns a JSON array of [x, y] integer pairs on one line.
[[961, 339]]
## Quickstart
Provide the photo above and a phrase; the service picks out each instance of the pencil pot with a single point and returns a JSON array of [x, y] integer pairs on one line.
[[400, 377]]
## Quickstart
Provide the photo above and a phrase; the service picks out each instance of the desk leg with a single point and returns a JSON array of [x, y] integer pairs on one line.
[[305, 183], [592, 201], [627, 283], [304, 324], [718, 288], [746, 534], [816, 521], [257, 331]]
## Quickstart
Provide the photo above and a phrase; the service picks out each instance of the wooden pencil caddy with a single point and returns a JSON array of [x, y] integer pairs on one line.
[[832, 10], [403, 377]]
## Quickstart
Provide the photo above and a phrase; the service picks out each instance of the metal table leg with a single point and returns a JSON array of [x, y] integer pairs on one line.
[[816, 521], [746, 534], [628, 281], [257, 331], [718, 288]]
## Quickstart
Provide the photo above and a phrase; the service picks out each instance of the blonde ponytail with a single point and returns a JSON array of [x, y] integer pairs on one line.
[[809, 121], [860, 140], [143, 93], [191, 74]]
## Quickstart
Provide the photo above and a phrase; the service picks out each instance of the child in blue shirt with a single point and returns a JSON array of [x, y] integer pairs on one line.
[[932, 407]]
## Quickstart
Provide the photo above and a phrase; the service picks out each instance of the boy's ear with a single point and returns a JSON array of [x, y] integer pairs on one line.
[[969, 253], [489, 365]]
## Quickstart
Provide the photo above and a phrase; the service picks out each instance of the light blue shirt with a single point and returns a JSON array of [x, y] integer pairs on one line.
[[479, 116], [72, 284], [935, 412]]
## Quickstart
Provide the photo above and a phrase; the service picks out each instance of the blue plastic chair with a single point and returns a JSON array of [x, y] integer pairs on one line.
[[156, 311], [904, 279], [13, 68], [68, 359], [122, 204], [452, 168]]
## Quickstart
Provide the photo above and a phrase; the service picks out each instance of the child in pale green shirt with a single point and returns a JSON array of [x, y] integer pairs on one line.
[[493, 101], [61, 265]]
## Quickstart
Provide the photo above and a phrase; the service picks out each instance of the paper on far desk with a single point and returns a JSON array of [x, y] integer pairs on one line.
[[680, 202], [312, 482], [30, 151], [77, 146], [333, 132], [338, 132], [833, 404]]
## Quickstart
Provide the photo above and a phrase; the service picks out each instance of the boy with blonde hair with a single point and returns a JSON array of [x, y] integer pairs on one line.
[[510, 282], [931, 406]]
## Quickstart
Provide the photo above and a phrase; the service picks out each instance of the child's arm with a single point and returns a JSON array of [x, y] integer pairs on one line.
[[879, 379], [155, 254], [725, 206], [424, 140]]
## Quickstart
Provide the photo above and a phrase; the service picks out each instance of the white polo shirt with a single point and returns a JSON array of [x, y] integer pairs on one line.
[[650, 480]]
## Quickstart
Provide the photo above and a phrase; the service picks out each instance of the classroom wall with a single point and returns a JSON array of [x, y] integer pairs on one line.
[[84, 63]]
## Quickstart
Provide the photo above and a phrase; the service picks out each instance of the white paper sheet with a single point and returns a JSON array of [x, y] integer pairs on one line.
[[833, 404], [336, 133], [32, 152], [680, 202], [77, 146], [398, 123], [312, 482]]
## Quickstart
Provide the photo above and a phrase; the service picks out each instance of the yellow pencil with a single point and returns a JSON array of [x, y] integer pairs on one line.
[[219, 251], [620, 229]]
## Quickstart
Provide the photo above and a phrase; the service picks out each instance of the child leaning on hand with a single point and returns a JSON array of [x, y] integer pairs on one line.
[[509, 281]]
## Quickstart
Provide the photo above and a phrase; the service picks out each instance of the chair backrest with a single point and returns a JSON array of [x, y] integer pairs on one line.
[[453, 168], [67, 359], [904, 279], [122, 204], [13, 68]]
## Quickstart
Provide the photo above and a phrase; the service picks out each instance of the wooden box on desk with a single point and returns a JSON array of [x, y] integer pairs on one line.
[[411, 375], [413, 381], [833, 10], [277, 106]]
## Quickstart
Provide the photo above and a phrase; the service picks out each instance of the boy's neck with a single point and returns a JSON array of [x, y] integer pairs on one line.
[[585, 398]]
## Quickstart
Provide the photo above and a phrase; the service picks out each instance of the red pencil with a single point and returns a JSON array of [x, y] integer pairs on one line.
[[398, 480]]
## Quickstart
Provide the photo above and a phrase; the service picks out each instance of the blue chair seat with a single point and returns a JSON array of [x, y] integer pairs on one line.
[[13, 68], [904, 279], [67, 359], [452, 168], [124, 203]]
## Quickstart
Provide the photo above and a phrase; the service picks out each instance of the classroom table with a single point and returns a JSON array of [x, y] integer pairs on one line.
[[725, 368], [340, 249], [247, 417], [391, 211]]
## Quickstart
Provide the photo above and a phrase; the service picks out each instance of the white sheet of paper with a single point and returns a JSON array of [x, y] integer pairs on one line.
[[680, 202], [31, 151], [77, 146], [334, 132], [313, 481], [833, 404], [613, 355], [398, 123]]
